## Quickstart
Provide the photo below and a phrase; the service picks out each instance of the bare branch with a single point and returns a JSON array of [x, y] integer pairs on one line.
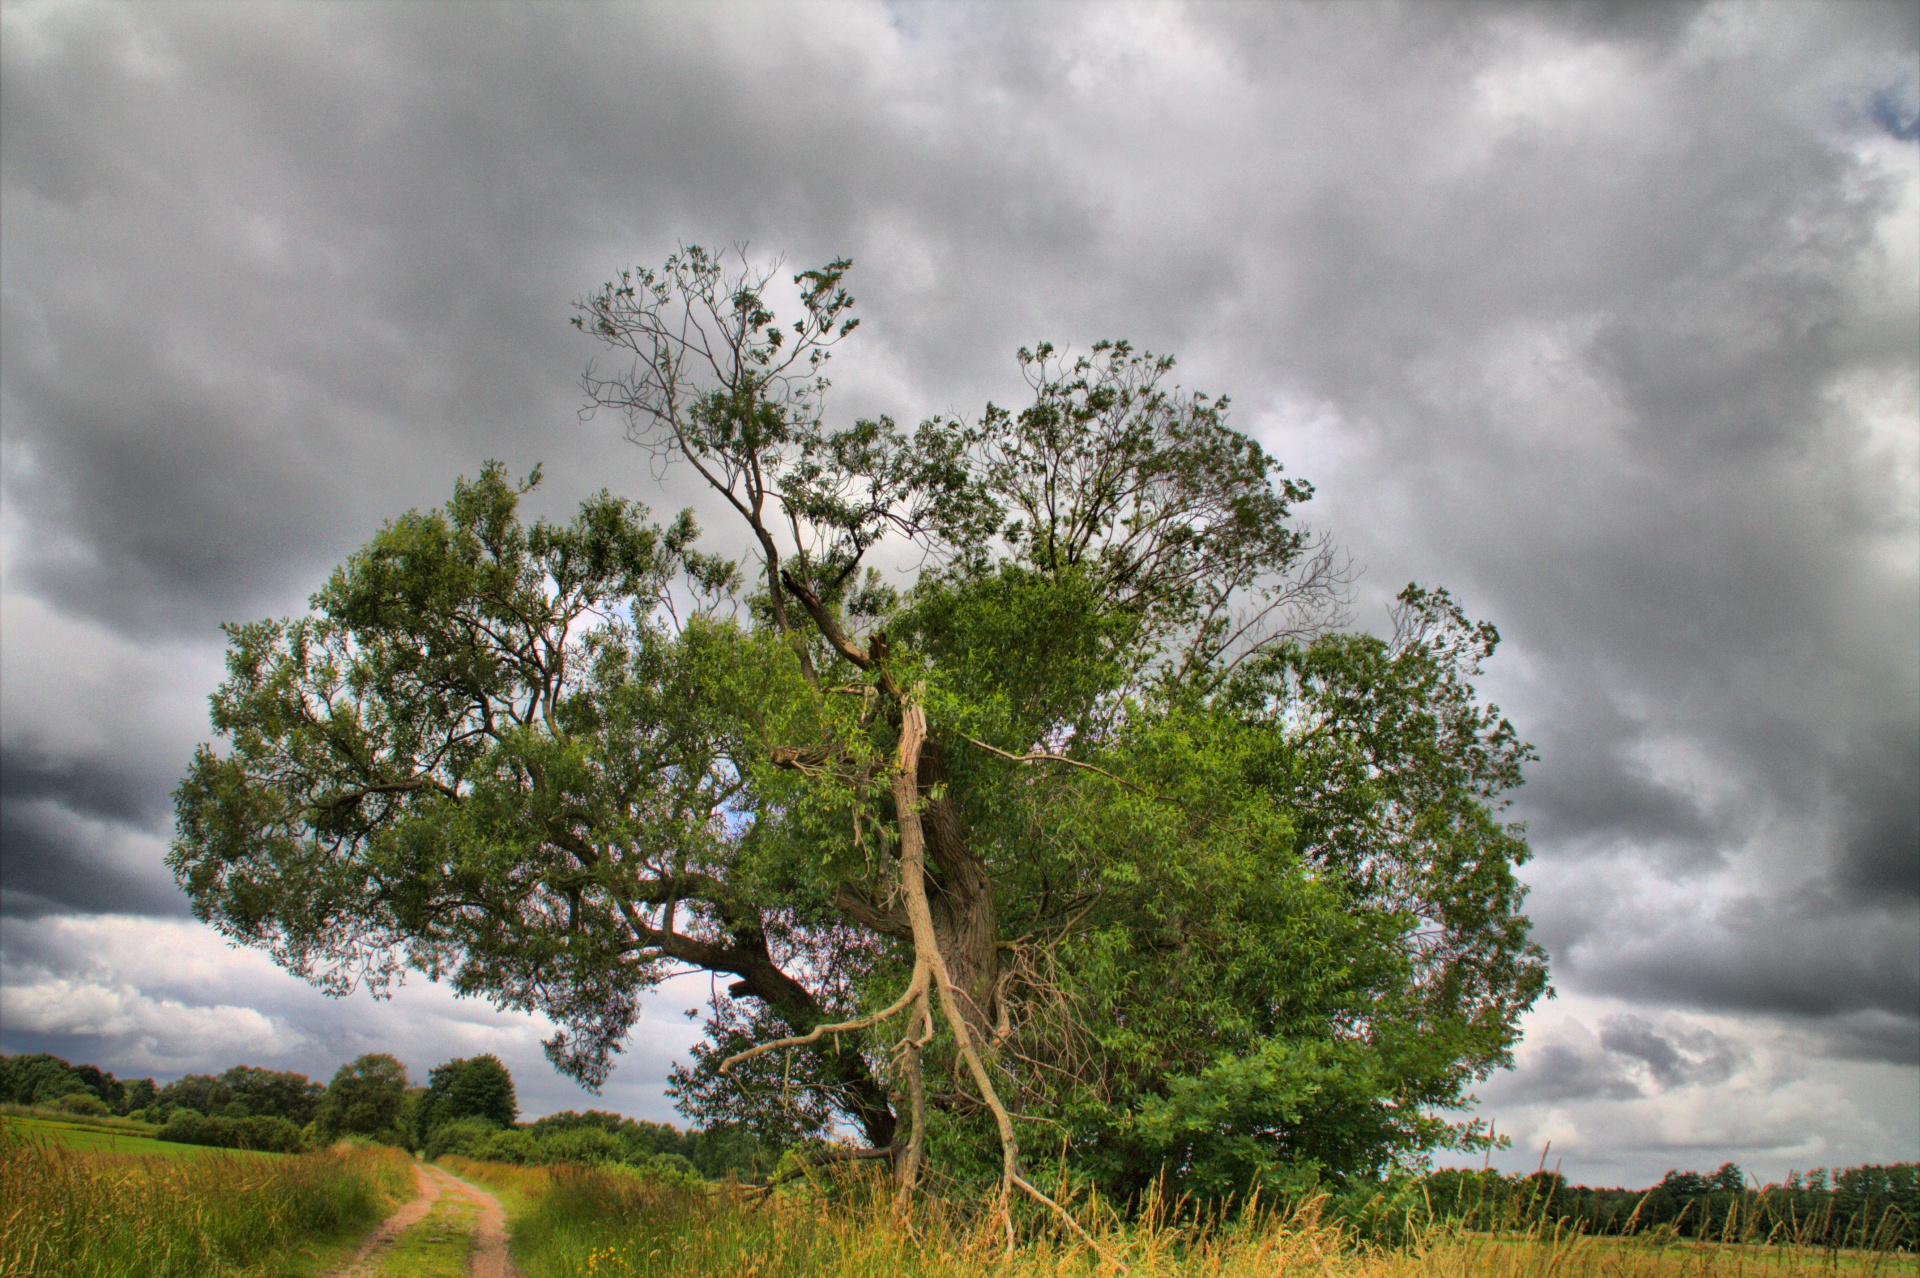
[[1058, 758]]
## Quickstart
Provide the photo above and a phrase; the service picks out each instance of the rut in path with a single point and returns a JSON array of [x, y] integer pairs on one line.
[[489, 1259]]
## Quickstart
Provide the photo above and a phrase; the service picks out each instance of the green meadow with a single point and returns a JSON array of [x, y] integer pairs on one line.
[[102, 1139], [90, 1202]]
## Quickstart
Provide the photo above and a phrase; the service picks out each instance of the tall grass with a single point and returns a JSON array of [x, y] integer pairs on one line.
[[85, 1214], [581, 1223]]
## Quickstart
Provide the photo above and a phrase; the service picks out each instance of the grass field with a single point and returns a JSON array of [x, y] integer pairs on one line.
[[570, 1223], [184, 1212], [94, 1139]]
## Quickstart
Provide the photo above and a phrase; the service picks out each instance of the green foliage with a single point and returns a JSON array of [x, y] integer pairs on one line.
[[475, 1088], [262, 1133], [1873, 1208], [44, 1079], [245, 1091], [367, 1097], [464, 1136], [84, 1103], [517, 1147]]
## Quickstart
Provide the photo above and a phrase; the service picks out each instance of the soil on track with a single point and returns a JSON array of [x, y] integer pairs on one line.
[[489, 1257]]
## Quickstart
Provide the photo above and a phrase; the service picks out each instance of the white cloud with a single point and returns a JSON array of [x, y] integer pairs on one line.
[[1613, 1093]]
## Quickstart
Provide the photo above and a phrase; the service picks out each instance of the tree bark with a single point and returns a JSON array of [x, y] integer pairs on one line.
[[959, 896]]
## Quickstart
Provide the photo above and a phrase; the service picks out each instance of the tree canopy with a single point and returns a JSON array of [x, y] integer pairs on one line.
[[1099, 830], [367, 1097], [477, 1087]]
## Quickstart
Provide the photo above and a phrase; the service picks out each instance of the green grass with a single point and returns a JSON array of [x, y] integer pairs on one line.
[[89, 1138], [103, 1122], [95, 1213]]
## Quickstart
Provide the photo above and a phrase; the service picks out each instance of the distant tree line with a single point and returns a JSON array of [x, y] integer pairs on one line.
[[468, 1106], [1869, 1207]]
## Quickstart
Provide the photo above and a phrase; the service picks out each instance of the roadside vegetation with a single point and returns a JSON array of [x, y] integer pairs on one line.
[[572, 1222]]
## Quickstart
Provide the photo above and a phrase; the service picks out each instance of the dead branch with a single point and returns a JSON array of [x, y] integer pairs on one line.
[[820, 1158], [818, 1032], [1058, 758]]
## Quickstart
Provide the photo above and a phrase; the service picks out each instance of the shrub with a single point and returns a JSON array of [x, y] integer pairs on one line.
[[260, 1132], [584, 1147], [674, 1170], [269, 1134], [465, 1136], [190, 1127], [516, 1147], [82, 1103]]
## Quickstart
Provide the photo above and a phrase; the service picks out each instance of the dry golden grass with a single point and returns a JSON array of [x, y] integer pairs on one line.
[[585, 1224]]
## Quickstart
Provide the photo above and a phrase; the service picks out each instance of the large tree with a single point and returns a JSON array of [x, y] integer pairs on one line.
[[1096, 824]]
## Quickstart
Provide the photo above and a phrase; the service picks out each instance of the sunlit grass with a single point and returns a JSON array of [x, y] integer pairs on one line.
[[574, 1223], [89, 1137], [81, 1213]]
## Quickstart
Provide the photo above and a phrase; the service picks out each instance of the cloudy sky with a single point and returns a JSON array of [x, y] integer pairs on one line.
[[1604, 316]]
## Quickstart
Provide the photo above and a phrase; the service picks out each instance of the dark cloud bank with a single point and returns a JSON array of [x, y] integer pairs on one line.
[[1602, 315]]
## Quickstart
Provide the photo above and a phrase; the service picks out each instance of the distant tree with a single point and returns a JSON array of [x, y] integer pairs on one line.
[[40, 1078], [137, 1093], [367, 1097], [476, 1087], [272, 1093], [246, 1090], [201, 1093]]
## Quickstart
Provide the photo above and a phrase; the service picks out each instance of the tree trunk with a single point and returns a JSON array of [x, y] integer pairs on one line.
[[959, 896]]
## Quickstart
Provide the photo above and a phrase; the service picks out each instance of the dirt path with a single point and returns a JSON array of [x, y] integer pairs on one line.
[[409, 1215], [488, 1257]]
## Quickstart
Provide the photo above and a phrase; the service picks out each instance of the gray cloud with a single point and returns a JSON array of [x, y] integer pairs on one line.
[[1873, 1037], [1879, 790], [1808, 958], [52, 860], [1596, 313], [1563, 1072], [1675, 1059]]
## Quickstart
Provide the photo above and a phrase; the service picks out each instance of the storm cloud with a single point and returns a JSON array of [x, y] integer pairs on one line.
[[1604, 316]]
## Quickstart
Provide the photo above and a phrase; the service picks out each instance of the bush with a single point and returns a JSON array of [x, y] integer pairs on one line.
[[83, 1103], [516, 1147], [584, 1147], [676, 1170], [263, 1133], [464, 1136]]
